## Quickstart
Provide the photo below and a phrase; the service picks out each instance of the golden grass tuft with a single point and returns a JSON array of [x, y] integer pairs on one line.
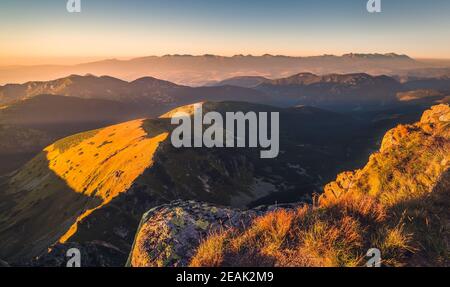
[[210, 252]]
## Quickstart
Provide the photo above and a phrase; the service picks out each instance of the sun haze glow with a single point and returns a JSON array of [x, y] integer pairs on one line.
[[43, 32]]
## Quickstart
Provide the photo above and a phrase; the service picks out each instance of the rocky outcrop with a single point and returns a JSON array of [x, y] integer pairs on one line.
[[170, 234], [436, 115], [409, 163]]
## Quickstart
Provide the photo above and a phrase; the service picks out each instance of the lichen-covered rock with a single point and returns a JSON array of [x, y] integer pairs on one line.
[[170, 234]]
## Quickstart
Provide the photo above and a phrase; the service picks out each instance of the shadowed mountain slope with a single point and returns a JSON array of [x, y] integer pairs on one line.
[[29, 125], [244, 81], [108, 178], [398, 203], [335, 91], [47, 111]]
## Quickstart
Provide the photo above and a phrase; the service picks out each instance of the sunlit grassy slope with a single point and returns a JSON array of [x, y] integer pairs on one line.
[[399, 203], [69, 180], [105, 162]]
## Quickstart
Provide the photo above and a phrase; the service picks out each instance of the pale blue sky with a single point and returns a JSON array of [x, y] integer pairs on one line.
[[44, 31]]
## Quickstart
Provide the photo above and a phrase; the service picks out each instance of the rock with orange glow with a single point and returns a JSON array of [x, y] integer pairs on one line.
[[410, 161]]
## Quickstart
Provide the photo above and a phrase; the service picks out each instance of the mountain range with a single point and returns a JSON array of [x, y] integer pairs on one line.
[[41, 112], [154, 96], [201, 70]]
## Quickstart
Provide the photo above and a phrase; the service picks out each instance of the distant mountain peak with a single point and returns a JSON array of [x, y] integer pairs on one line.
[[151, 81], [377, 56], [310, 78]]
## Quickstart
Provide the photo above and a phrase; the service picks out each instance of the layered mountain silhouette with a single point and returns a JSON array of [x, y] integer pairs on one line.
[[200, 70], [346, 92], [349, 91], [154, 96], [244, 81], [55, 109], [151, 96], [438, 83], [58, 108]]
